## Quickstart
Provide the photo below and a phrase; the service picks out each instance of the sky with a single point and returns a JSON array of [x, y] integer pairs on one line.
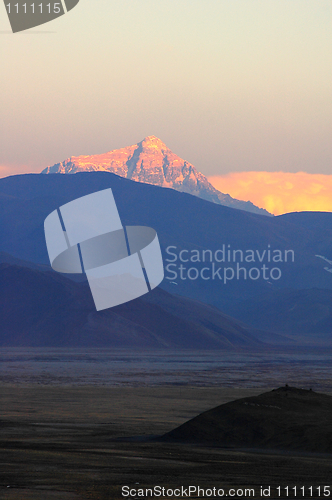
[[279, 192], [230, 85]]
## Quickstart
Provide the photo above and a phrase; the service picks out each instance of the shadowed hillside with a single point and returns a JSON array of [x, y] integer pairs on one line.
[[285, 419], [181, 221], [45, 309], [301, 314]]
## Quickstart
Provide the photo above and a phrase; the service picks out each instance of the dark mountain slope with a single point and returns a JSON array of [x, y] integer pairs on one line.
[[283, 419], [290, 312], [181, 220], [46, 309]]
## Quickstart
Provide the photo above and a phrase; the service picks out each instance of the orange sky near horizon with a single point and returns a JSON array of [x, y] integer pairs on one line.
[[279, 192]]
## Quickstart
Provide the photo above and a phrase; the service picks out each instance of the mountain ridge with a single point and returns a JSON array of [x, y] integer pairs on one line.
[[45, 309], [180, 219], [186, 222], [150, 161]]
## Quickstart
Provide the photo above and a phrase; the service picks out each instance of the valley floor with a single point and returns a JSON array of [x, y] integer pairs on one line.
[[304, 368], [77, 424]]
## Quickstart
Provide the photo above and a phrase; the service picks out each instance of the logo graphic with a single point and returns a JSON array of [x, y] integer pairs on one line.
[[328, 269], [24, 15], [121, 263]]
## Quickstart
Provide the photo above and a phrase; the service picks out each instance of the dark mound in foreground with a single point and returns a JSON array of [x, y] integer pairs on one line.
[[286, 419]]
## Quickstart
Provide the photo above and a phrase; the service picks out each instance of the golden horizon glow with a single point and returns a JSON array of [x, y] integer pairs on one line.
[[8, 170], [279, 192]]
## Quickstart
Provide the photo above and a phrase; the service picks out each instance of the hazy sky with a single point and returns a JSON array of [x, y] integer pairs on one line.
[[279, 192], [229, 85]]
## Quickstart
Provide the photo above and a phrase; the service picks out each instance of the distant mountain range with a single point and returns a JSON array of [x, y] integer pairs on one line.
[[296, 305], [152, 162], [295, 313], [182, 221]]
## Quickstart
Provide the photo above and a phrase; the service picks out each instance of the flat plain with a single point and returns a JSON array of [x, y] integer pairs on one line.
[[86, 442], [78, 424]]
